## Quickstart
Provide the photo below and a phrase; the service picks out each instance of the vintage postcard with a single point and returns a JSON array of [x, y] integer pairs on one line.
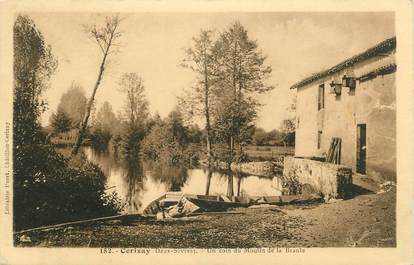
[[206, 132]]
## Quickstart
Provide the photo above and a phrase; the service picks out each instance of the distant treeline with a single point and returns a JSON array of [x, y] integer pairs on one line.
[[273, 138]]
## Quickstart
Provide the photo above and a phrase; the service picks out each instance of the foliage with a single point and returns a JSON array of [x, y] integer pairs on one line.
[[106, 119], [230, 71], [242, 74], [170, 142], [291, 184], [136, 105], [260, 137], [33, 65], [58, 191], [241, 63], [100, 139], [47, 189], [134, 116], [288, 131], [60, 122], [105, 127], [73, 104], [199, 100], [172, 176], [282, 137], [172, 147]]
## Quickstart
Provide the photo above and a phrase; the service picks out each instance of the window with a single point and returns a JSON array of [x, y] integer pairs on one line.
[[321, 97], [319, 139]]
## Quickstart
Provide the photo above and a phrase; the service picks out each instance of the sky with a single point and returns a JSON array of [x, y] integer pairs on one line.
[[152, 45]]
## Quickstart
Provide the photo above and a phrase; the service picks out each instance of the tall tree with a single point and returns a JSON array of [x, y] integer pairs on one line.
[[106, 126], [106, 119], [288, 132], [260, 137], [288, 127], [167, 140], [73, 104], [200, 59], [136, 105], [106, 37], [242, 75], [135, 115], [33, 66], [60, 122]]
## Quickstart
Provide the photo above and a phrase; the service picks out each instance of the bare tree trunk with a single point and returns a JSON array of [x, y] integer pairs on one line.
[[82, 130], [230, 192], [207, 113], [238, 185], [104, 38], [208, 126]]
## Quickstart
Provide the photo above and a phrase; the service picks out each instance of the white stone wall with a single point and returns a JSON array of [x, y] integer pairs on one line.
[[329, 180], [372, 102]]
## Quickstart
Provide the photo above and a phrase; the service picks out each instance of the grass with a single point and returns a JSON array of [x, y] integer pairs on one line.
[[268, 152]]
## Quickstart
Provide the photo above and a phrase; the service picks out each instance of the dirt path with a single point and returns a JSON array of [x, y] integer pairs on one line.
[[363, 221]]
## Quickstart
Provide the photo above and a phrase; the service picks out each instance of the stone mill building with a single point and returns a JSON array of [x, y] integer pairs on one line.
[[351, 106]]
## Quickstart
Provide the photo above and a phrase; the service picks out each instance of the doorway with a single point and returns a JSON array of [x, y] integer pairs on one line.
[[361, 148]]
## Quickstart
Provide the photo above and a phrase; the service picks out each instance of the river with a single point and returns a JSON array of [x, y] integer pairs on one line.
[[140, 184]]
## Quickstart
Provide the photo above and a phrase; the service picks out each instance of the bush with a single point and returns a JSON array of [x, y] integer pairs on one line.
[[291, 184], [49, 189], [100, 139]]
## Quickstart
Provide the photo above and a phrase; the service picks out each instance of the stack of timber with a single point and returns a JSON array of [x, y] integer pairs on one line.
[[334, 153]]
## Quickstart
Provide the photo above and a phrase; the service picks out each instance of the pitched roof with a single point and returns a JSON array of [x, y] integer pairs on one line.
[[382, 47]]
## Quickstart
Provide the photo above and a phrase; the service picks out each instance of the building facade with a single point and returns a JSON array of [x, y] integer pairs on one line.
[[353, 101]]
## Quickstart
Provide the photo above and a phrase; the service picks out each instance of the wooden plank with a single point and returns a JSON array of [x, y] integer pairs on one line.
[[332, 153], [328, 156], [107, 218], [335, 141], [335, 153], [213, 213], [340, 151], [338, 147]]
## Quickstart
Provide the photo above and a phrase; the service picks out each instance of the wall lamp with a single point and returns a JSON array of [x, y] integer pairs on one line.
[[348, 81], [335, 88]]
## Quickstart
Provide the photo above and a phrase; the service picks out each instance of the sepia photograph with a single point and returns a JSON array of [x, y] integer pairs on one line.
[[177, 132]]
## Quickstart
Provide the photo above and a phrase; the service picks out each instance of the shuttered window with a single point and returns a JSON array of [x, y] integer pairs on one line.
[[321, 97]]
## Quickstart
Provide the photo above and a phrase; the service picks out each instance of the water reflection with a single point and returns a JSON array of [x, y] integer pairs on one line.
[[208, 181], [139, 183], [134, 181]]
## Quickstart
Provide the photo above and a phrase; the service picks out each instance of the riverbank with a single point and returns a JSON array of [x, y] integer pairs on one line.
[[367, 220], [257, 168]]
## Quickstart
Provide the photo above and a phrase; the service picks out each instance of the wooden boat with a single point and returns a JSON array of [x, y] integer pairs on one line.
[[214, 203], [219, 203], [165, 201], [206, 203]]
